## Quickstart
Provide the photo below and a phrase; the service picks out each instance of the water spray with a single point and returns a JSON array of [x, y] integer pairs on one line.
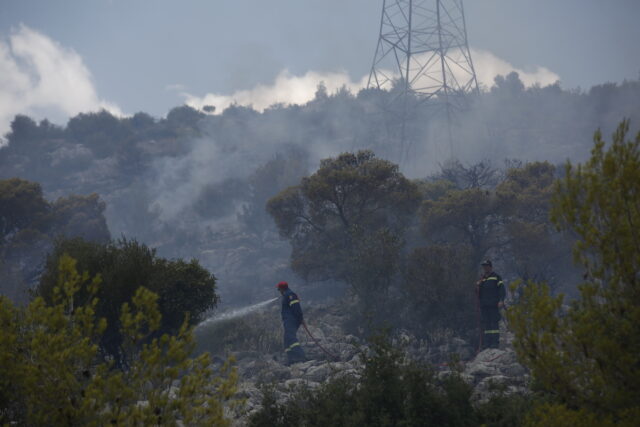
[[233, 314]]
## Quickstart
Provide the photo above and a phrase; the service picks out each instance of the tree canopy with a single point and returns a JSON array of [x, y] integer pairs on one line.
[[354, 207], [586, 355], [29, 224], [472, 216], [51, 372], [185, 289]]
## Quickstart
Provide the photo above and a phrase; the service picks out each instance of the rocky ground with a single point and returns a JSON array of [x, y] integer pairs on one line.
[[487, 371]]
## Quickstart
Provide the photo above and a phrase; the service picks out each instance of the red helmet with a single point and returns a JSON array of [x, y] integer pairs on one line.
[[282, 285]]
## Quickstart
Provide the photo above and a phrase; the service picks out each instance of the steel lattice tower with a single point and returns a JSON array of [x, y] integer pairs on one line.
[[423, 56], [423, 47]]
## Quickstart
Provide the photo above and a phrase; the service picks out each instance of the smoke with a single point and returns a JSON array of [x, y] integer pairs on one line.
[[41, 78], [178, 182], [196, 185], [290, 89], [287, 89], [235, 313], [488, 66]]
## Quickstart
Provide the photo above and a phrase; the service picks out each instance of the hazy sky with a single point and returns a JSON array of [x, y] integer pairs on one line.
[[61, 57]]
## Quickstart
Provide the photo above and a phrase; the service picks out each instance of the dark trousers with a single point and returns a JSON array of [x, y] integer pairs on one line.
[[490, 326], [291, 344]]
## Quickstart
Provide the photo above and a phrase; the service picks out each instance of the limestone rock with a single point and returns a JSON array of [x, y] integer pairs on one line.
[[318, 373]]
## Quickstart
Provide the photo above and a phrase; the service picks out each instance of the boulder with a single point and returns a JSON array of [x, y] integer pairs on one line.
[[491, 372], [294, 383], [318, 373], [481, 370], [488, 387], [344, 373], [514, 370], [495, 386]]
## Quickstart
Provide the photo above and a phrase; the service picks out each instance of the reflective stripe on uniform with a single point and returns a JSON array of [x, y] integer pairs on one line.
[[295, 344], [293, 302], [492, 331], [500, 283]]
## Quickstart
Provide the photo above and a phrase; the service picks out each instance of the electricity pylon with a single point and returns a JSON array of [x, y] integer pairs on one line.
[[423, 53]]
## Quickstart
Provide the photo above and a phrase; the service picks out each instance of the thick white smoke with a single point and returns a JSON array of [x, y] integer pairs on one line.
[[290, 89]]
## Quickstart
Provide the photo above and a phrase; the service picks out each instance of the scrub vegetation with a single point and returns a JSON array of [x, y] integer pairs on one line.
[[52, 372], [408, 249], [390, 390], [583, 357], [97, 330], [194, 184]]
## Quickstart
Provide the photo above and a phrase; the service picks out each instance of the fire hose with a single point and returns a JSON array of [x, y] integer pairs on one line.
[[327, 352]]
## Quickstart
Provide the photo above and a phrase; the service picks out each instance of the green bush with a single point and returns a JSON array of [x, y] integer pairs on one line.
[[51, 372], [439, 286], [29, 224], [332, 404], [587, 356], [346, 221], [185, 289], [389, 391]]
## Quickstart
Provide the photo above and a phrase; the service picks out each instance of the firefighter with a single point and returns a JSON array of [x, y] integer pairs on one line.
[[491, 294], [291, 320]]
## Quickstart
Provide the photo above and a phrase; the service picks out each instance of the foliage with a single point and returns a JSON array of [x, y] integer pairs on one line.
[[600, 201], [438, 282], [51, 373], [100, 132], [510, 222], [21, 204], [81, 216], [537, 250], [586, 356], [184, 288], [373, 261], [472, 217], [184, 118], [283, 171], [331, 404], [434, 190], [479, 175], [389, 390], [527, 190], [135, 162], [506, 409], [350, 213], [28, 225]]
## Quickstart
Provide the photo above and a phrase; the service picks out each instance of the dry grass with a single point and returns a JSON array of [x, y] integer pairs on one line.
[[260, 332]]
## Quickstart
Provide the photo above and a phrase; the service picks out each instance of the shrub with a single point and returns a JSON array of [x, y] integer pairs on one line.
[[390, 391], [50, 372], [586, 357], [185, 289], [439, 285]]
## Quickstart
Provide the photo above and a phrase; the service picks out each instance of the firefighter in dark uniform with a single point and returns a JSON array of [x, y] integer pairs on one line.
[[291, 320], [491, 294]]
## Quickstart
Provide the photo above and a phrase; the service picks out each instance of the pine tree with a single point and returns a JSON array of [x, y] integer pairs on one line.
[[51, 372], [587, 356]]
